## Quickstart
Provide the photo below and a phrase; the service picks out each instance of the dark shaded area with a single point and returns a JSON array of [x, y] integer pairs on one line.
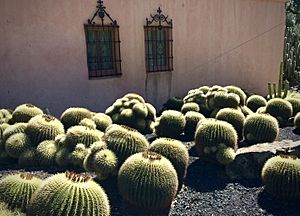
[[278, 207]]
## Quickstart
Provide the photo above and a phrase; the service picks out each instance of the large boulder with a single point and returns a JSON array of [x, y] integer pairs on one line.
[[250, 160]]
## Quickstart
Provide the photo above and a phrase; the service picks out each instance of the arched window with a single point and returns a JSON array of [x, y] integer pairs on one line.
[[158, 43], [103, 45]]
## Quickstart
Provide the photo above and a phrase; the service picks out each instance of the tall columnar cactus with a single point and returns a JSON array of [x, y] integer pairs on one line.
[[192, 118], [16, 190], [234, 117], [281, 109], [81, 134], [69, 194], [192, 106], [281, 175], [25, 112], [46, 153], [259, 128], [102, 121], [73, 116], [156, 179], [256, 101], [16, 144], [211, 133], [125, 141], [279, 90], [171, 124], [176, 152], [238, 91], [13, 129], [43, 127]]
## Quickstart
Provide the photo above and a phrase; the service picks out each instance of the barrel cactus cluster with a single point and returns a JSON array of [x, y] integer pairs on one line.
[[133, 111]]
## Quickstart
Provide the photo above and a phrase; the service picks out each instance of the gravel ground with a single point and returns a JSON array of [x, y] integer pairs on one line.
[[207, 191]]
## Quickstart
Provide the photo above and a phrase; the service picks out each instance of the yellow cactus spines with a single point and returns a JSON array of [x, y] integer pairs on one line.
[[73, 116], [69, 194], [175, 151], [25, 112], [16, 190], [43, 127], [148, 180], [281, 177], [125, 141]]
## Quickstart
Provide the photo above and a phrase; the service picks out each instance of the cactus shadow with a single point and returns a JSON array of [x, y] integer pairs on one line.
[[206, 176], [278, 207], [296, 131]]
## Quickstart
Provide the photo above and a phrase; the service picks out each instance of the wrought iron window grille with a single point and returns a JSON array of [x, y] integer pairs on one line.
[[158, 42], [102, 44]]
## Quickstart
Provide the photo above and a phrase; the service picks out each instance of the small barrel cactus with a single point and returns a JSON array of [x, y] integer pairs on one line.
[[261, 110], [125, 141], [25, 112], [234, 117], [73, 116], [259, 128], [173, 103], [280, 175], [192, 106], [245, 110], [28, 159], [16, 190], [238, 91], [79, 154], [16, 144], [69, 194], [46, 152], [81, 134], [102, 121], [89, 160], [192, 118], [281, 109], [2, 129], [156, 179], [297, 121], [211, 133], [63, 157], [105, 163], [295, 104], [43, 127], [171, 124], [13, 129], [175, 151], [135, 96], [225, 155], [88, 123], [256, 101]]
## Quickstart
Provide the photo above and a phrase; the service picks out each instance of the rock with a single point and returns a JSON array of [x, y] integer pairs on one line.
[[249, 161]]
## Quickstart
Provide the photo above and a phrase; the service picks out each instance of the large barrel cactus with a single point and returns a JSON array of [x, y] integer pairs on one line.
[[25, 112], [43, 127], [102, 121], [211, 133], [73, 116], [171, 124], [16, 144], [16, 190], [148, 180], [69, 194], [256, 101], [281, 109], [259, 128], [125, 141], [175, 151], [81, 134], [234, 117], [281, 177], [295, 104]]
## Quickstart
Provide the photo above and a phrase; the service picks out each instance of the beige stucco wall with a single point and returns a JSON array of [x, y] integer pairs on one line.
[[43, 53]]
